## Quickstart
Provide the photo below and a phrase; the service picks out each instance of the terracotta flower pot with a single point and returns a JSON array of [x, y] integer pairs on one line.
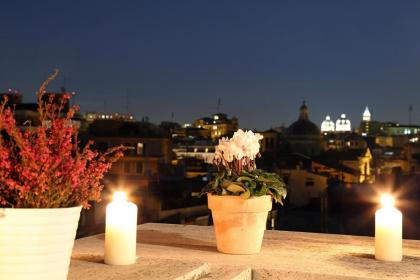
[[37, 243], [239, 223]]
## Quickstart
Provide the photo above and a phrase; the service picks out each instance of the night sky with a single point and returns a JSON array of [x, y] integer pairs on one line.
[[262, 58]]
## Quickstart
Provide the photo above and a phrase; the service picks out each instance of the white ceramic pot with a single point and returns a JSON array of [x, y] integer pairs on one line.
[[239, 224], [37, 243]]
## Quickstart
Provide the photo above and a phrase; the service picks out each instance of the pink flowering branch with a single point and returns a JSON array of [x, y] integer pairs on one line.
[[43, 167]]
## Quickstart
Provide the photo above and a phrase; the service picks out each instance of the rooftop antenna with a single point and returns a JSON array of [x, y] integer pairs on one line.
[[219, 105], [172, 116], [410, 112]]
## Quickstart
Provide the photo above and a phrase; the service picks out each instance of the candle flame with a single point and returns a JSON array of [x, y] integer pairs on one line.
[[120, 197], [387, 200]]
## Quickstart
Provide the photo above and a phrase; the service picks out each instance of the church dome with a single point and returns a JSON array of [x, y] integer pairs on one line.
[[343, 124], [327, 125], [303, 126]]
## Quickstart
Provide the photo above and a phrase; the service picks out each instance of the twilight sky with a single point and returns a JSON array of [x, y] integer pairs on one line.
[[262, 58]]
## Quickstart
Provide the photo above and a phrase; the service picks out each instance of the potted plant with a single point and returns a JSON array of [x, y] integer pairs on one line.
[[240, 195], [45, 180]]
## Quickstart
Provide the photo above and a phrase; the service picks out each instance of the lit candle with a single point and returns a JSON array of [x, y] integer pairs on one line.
[[388, 231], [120, 231]]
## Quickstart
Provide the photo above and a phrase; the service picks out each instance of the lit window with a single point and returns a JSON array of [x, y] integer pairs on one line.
[[214, 127], [216, 117], [206, 150], [140, 149], [195, 150]]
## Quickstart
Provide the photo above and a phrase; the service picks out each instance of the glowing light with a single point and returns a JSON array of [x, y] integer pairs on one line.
[[367, 115], [387, 200], [120, 197], [120, 231], [327, 125], [343, 124], [388, 231]]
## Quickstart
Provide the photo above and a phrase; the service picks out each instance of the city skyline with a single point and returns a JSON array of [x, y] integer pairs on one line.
[[262, 59]]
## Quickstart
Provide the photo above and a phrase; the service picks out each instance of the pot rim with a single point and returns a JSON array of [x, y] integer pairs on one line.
[[40, 209], [261, 197], [237, 204]]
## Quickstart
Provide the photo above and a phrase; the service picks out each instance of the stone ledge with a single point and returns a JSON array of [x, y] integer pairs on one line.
[[285, 255], [92, 267], [226, 272]]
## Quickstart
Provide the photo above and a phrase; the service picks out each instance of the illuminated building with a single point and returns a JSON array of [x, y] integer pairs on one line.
[[219, 125], [344, 141], [343, 124], [93, 116], [369, 127], [367, 115], [396, 129], [327, 125]]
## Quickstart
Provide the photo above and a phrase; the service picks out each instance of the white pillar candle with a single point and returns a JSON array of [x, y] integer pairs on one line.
[[388, 231], [120, 231]]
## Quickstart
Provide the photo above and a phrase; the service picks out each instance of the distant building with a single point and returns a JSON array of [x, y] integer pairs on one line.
[[93, 116], [201, 149], [369, 127], [327, 125], [350, 166], [271, 140], [303, 185], [26, 114], [176, 131], [304, 136], [344, 141], [343, 124], [149, 147], [412, 153], [367, 116], [13, 97], [396, 129], [272, 145], [219, 125]]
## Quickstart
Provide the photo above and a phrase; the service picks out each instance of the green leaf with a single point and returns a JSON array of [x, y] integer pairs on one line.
[[250, 183], [246, 194], [234, 188]]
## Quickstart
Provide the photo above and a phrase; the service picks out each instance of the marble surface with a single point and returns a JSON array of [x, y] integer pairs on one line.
[[190, 251]]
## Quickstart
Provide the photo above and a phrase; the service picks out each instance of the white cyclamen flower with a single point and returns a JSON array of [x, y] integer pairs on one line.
[[223, 150], [242, 144]]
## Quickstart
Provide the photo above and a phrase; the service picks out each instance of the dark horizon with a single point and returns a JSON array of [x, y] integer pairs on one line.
[[262, 59]]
